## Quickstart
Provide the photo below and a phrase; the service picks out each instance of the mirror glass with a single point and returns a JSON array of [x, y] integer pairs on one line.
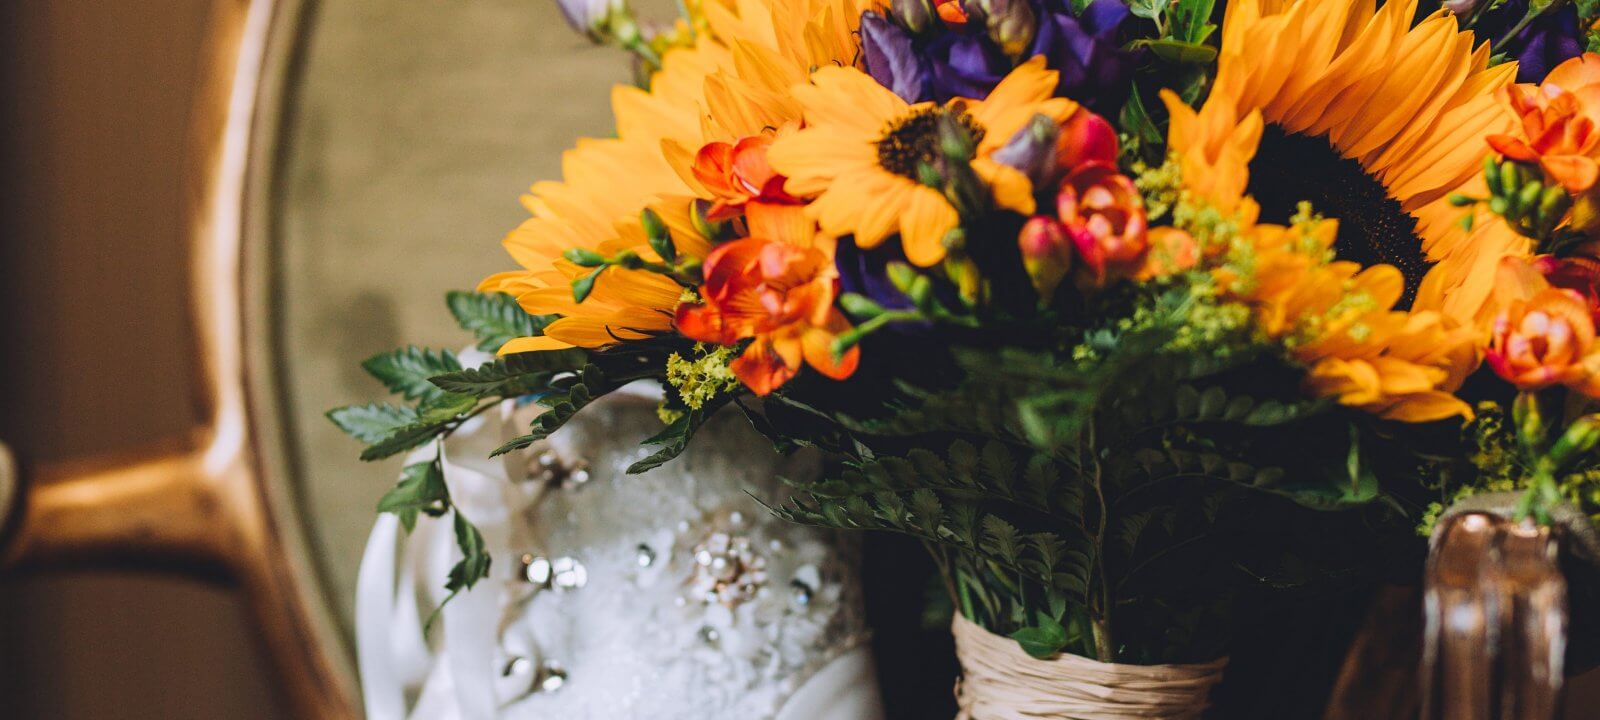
[[410, 130]]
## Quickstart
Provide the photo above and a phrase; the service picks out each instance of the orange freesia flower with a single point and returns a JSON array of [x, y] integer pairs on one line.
[[1544, 335], [777, 287], [1171, 251], [1104, 215], [739, 173], [1559, 129], [1579, 274]]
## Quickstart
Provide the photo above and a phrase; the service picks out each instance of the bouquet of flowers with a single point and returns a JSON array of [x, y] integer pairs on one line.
[[1122, 309]]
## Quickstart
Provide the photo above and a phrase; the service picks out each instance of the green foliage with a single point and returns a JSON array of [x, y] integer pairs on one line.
[[1148, 140], [495, 318], [1191, 20], [372, 422], [955, 500], [473, 566], [511, 376], [1148, 9], [406, 370], [421, 490], [570, 393], [1043, 640], [1182, 28], [475, 561], [674, 438]]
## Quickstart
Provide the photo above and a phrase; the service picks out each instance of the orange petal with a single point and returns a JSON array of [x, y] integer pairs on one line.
[[818, 345], [1512, 147], [761, 369], [1575, 73], [1575, 172]]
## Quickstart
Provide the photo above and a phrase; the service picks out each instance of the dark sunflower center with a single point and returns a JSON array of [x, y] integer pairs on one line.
[[913, 141], [1290, 168]]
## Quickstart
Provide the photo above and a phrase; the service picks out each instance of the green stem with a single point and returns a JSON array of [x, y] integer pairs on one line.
[[1527, 19], [1105, 648]]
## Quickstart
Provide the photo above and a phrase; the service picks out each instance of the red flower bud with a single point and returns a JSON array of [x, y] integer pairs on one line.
[[1578, 274], [1046, 254], [1086, 138]]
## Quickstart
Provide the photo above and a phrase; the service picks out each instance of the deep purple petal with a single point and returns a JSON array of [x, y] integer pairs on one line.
[[1086, 51], [1104, 18], [892, 60], [866, 273], [965, 66]]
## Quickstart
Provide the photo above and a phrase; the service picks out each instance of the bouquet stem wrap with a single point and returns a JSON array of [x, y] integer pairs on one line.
[[1001, 682]]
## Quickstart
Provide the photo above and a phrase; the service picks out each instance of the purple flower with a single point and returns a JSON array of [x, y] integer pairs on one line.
[[945, 63], [1539, 47], [892, 59], [1085, 50], [587, 16], [866, 273]]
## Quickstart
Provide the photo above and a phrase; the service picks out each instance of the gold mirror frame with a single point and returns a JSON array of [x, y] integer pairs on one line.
[[203, 505]]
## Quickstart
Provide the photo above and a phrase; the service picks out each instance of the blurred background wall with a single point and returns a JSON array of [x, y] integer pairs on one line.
[[96, 98]]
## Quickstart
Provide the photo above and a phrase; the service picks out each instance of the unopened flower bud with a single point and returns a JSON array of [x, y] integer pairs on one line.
[[589, 17], [709, 229], [1531, 419], [1033, 150], [1580, 438], [955, 141], [1463, 7], [1011, 24], [1086, 138], [860, 306], [916, 16], [900, 275], [655, 231], [584, 257], [1046, 254]]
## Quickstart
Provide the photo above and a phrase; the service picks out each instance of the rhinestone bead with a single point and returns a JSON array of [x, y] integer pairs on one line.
[[517, 666], [569, 573], [536, 569], [552, 676]]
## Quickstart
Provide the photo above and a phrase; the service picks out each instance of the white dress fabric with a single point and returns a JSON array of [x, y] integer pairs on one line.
[[668, 595]]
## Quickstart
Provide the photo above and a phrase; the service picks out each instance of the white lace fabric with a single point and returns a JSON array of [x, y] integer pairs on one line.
[[668, 595]]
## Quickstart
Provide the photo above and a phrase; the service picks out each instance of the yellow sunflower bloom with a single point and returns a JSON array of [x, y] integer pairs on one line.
[[1375, 121], [861, 146], [1337, 319], [732, 83]]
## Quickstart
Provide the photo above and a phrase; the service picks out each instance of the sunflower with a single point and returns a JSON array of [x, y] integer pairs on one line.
[[1375, 122], [730, 84], [862, 146], [1337, 319]]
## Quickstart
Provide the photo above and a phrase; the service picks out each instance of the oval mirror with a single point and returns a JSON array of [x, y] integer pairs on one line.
[[353, 162]]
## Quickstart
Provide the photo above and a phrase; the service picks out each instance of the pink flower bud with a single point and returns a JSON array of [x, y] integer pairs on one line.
[[1046, 254]]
